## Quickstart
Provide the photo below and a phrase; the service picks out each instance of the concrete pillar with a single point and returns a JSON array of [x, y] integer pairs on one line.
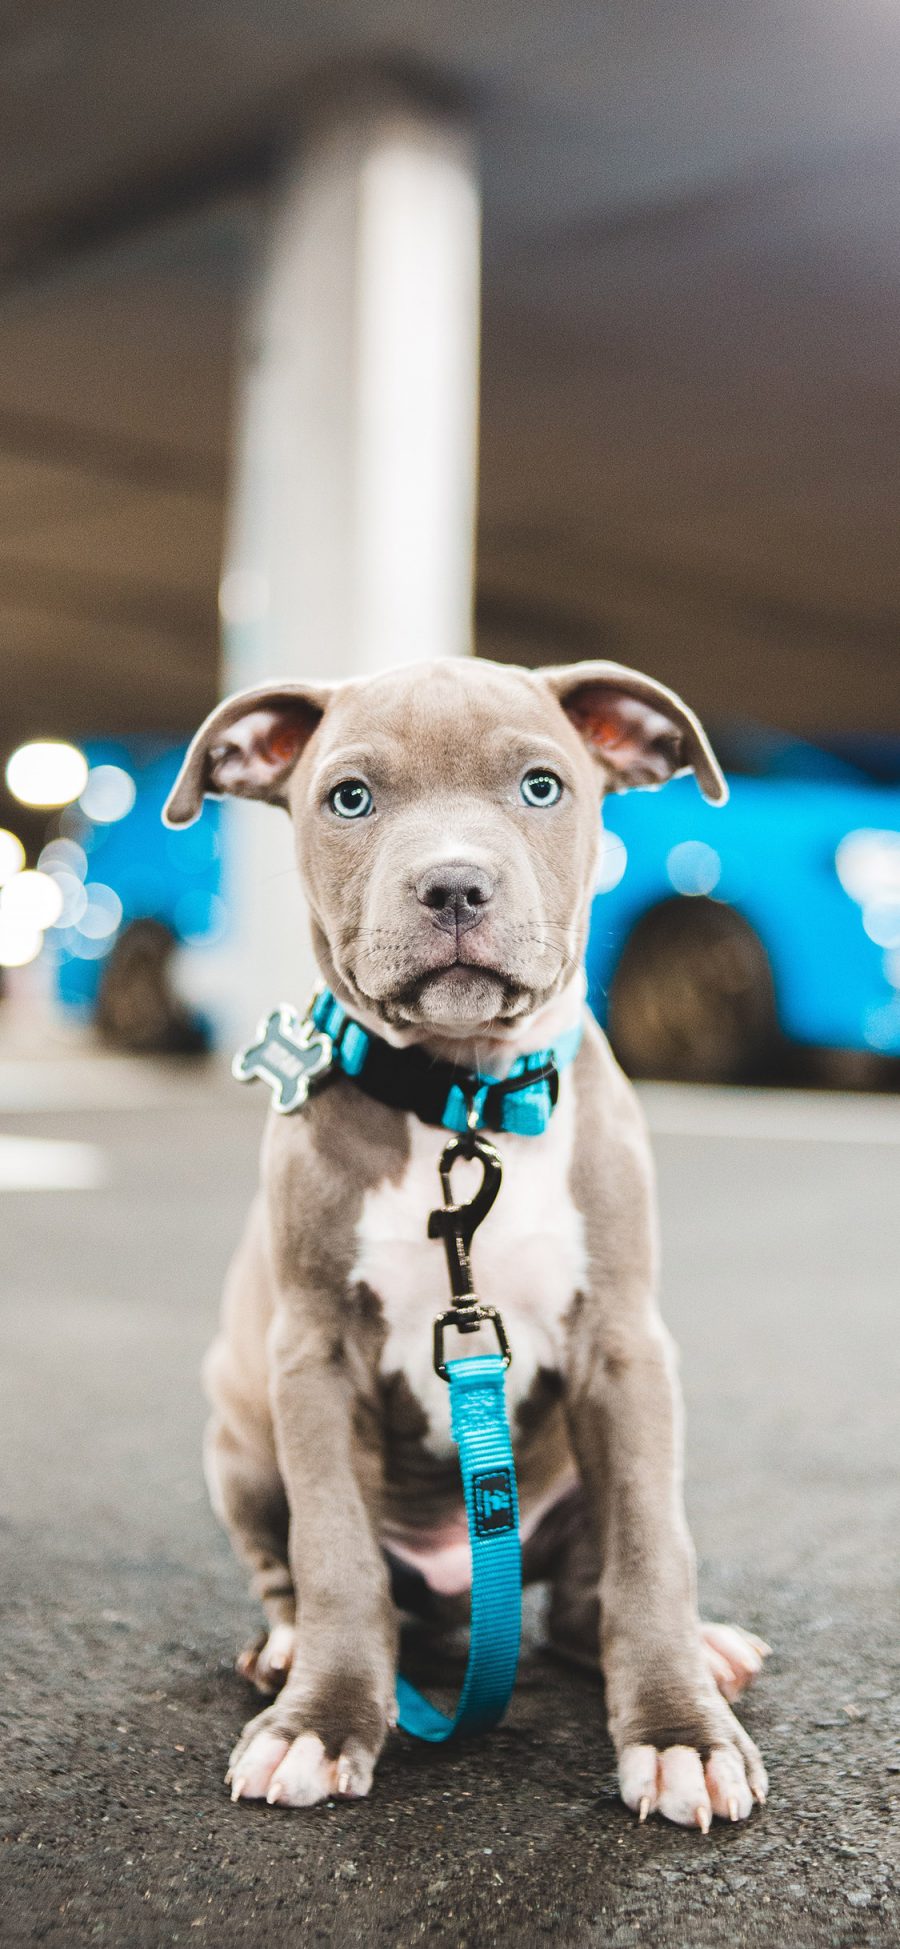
[[352, 523]]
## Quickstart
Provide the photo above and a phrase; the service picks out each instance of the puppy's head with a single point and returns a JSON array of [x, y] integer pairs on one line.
[[446, 820]]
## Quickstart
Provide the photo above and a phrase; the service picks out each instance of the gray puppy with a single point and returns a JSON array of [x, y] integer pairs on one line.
[[447, 829]]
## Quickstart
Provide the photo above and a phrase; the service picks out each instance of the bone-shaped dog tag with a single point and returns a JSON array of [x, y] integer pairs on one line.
[[289, 1055]]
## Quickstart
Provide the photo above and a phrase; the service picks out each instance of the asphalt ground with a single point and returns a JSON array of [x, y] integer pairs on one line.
[[123, 1608]]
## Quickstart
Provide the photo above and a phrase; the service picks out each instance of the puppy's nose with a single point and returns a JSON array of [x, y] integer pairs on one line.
[[457, 894]]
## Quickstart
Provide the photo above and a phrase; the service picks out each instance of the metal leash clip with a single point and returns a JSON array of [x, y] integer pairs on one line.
[[456, 1225]]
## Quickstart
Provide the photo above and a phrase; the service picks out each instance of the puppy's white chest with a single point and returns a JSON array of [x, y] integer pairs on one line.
[[527, 1259]]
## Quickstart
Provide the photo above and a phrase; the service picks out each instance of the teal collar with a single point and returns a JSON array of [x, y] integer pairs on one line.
[[442, 1093]]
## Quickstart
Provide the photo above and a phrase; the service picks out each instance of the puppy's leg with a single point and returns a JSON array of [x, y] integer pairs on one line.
[[240, 1462], [681, 1750], [323, 1734], [573, 1618], [248, 1497], [734, 1656]]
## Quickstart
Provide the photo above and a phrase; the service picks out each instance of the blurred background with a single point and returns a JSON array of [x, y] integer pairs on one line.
[[341, 335], [243, 433]]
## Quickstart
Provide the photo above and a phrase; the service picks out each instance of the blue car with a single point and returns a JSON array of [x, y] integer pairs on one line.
[[719, 937], [133, 892]]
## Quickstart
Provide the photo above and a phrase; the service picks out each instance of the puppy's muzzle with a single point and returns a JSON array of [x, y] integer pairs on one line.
[[457, 895]]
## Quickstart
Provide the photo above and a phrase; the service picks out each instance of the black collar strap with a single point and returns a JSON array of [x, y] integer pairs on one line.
[[442, 1093]]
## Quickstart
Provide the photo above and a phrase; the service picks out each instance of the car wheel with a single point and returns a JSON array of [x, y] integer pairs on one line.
[[692, 997]]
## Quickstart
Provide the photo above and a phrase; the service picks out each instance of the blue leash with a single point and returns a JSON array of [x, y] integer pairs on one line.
[[481, 1432]]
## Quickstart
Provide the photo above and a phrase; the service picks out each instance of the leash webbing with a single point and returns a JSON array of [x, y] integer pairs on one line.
[[481, 1431]]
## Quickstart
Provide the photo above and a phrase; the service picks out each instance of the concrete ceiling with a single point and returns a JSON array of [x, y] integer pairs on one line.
[[691, 399]]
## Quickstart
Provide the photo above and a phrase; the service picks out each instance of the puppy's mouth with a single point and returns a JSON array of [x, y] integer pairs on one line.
[[461, 994], [445, 987]]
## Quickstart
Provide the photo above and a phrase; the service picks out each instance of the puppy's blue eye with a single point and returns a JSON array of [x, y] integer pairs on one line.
[[351, 799], [541, 788]]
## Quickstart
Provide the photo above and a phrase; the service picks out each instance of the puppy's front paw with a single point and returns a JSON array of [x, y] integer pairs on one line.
[[298, 1772], [683, 1786], [297, 1753]]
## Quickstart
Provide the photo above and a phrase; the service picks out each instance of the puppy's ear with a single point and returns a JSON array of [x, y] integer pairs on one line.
[[248, 746], [639, 732]]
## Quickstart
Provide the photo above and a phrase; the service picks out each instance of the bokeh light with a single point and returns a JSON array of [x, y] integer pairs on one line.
[[693, 867], [612, 860], [12, 855], [102, 912], [868, 865], [20, 941], [108, 795], [72, 895], [32, 898], [46, 772], [75, 826], [64, 856], [81, 947], [881, 920], [882, 1025]]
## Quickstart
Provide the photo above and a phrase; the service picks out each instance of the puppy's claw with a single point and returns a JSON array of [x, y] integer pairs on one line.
[[733, 1808], [274, 1794], [644, 1808], [343, 1776], [238, 1787], [701, 1815]]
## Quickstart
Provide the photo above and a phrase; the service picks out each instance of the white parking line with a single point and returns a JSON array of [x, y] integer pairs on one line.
[[770, 1116], [45, 1164]]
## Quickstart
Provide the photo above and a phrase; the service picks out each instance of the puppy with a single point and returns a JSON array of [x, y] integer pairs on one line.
[[447, 827]]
